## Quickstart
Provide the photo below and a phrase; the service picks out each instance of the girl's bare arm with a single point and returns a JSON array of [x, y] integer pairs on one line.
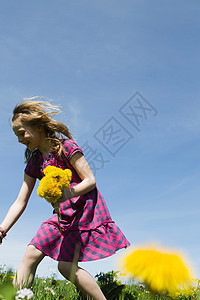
[[20, 203], [88, 182]]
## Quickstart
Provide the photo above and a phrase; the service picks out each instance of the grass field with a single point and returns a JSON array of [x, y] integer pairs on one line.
[[110, 283]]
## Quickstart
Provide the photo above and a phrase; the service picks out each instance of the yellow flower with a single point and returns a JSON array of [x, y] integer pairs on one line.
[[160, 270], [52, 185]]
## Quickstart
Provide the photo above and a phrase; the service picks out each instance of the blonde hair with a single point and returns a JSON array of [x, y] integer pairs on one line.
[[39, 113]]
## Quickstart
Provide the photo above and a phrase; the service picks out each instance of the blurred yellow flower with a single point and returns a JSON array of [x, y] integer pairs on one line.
[[162, 271], [52, 185]]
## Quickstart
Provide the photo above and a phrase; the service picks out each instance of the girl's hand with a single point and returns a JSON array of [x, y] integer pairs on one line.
[[66, 194], [63, 197]]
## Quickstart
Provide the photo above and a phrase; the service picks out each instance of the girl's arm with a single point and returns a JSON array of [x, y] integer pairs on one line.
[[88, 182], [19, 205]]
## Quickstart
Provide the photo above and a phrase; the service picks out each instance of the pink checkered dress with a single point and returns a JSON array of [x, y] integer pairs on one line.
[[86, 223]]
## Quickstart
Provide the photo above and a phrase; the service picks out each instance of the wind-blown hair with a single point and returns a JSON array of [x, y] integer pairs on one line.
[[38, 114]]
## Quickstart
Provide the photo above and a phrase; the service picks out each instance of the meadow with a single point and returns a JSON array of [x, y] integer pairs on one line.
[[111, 283]]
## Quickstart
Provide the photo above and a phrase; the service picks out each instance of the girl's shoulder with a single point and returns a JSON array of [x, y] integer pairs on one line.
[[70, 147], [33, 165]]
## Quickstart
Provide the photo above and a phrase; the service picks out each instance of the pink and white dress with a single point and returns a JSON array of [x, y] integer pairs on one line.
[[86, 222]]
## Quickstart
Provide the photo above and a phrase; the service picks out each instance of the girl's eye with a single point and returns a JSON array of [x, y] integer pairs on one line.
[[21, 134]]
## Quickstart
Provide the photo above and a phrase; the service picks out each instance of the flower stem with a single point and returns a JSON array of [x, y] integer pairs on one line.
[[57, 210]]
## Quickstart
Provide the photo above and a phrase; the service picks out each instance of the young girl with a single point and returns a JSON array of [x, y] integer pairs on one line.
[[88, 232]]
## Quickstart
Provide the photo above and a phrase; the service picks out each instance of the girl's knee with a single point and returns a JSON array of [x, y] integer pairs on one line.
[[62, 267], [66, 268], [32, 254]]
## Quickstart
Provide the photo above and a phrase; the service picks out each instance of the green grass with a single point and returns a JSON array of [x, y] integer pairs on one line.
[[110, 283]]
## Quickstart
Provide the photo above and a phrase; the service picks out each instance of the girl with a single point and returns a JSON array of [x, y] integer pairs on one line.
[[88, 232]]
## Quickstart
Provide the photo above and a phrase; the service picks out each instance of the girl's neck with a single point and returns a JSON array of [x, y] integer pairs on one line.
[[45, 148], [45, 154]]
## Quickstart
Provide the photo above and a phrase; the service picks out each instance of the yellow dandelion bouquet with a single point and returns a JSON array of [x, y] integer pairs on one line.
[[52, 185], [160, 270]]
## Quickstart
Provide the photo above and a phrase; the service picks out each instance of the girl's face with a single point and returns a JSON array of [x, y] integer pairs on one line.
[[29, 136]]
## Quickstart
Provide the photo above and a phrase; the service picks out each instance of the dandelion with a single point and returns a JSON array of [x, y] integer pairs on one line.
[[160, 270], [52, 185], [50, 290], [24, 294], [54, 181]]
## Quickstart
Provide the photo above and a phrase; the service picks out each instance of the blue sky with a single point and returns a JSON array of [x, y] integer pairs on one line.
[[91, 57]]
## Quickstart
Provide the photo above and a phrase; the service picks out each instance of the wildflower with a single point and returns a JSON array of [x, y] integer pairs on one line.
[[52, 185], [160, 270], [24, 294], [50, 290]]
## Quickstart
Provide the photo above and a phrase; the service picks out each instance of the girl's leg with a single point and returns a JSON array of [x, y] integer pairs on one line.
[[82, 279], [26, 271]]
